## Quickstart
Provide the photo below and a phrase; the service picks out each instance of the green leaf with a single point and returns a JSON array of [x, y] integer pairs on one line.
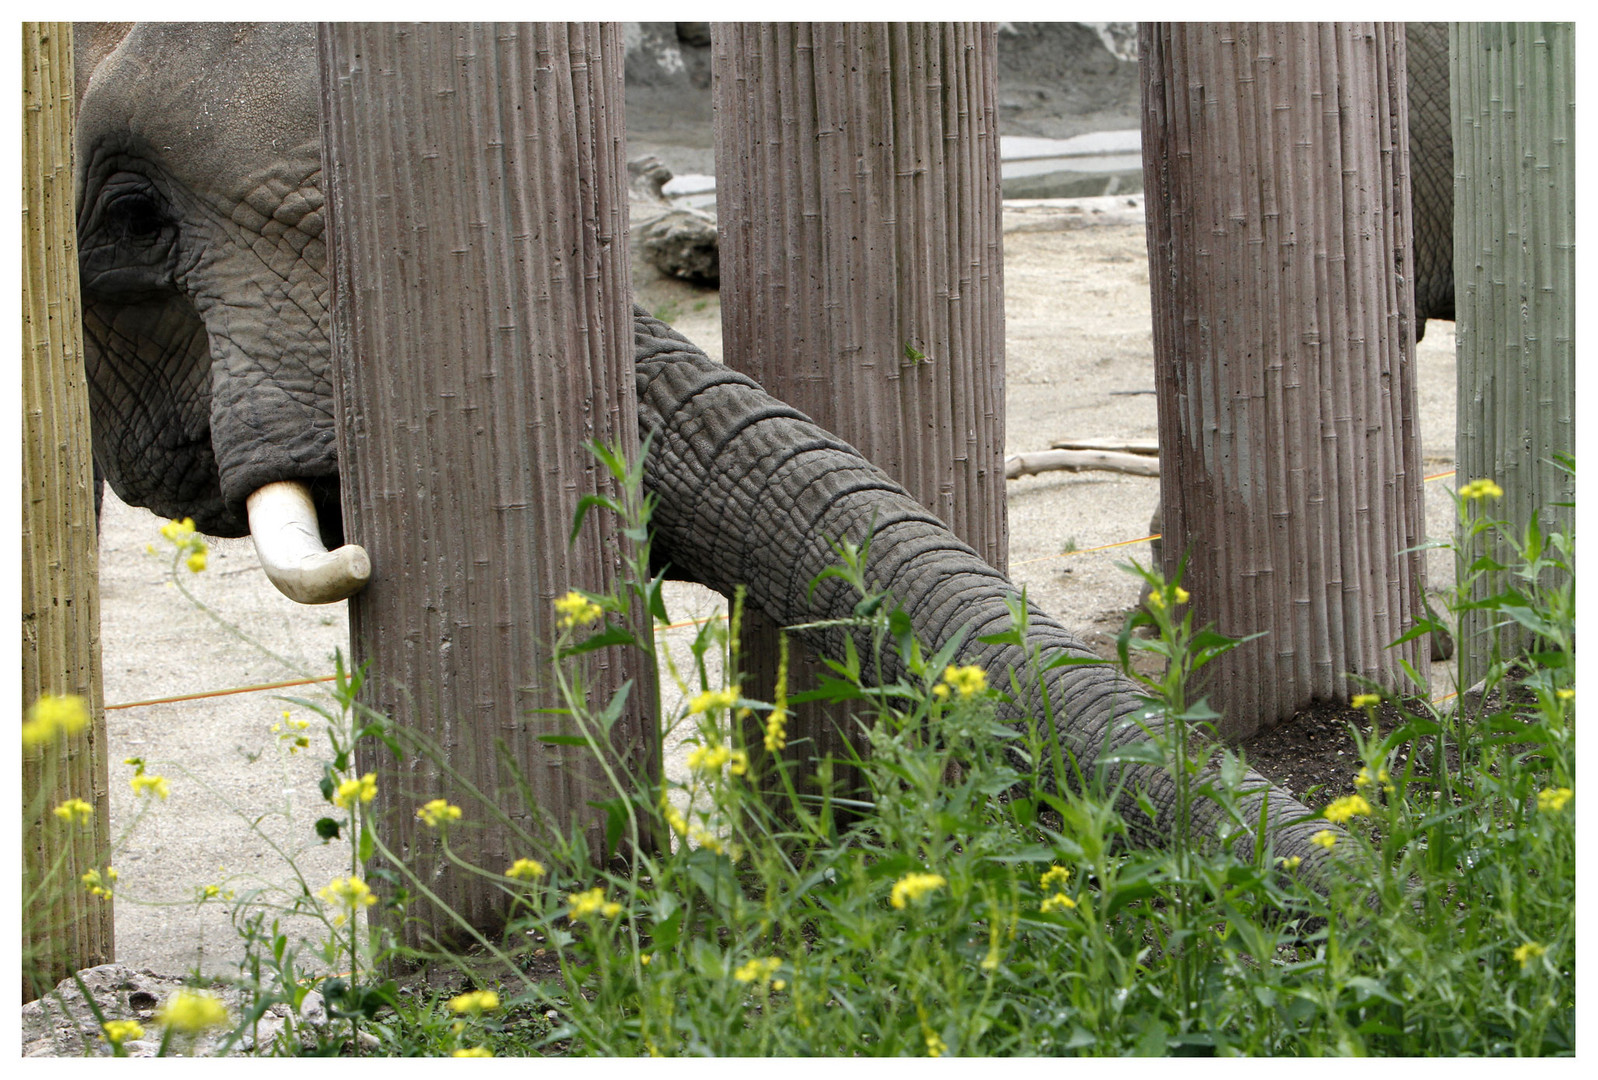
[[367, 845], [1142, 752], [563, 740], [612, 711], [327, 828], [611, 635]]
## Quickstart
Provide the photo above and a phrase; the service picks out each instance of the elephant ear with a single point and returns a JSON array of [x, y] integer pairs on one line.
[[92, 42]]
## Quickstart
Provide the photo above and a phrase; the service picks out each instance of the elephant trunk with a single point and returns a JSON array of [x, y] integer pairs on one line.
[[284, 528], [751, 492]]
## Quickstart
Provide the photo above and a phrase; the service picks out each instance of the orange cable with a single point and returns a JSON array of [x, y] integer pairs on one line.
[[222, 693]]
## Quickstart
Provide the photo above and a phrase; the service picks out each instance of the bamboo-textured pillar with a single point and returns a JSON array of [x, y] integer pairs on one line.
[[1278, 220], [858, 198], [63, 929], [482, 334], [1515, 274]]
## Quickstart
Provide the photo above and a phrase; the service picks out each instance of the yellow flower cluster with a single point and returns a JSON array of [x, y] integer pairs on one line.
[[525, 869], [1290, 863], [1528, 952], [99, 884], [150, 785], [1363, 779], [777, 722], [706, 839], [776, 730], [1565, 693], [472, 1051], [436, 812], [1054, 876], [118, 1032], [1179, 594], [1553, 800], [75, 811], [711, 700], [914, 887], [1340, 810], [1058, 902], [1326, 838], [760, 971], [52, 715], [476, 1001], [577, 610], [936, 1047], [708, 758], [295, 735], [1366, 701], [182, 536], [965, 681], [1481, 489], [192, 1011], [585, 905], [364, 789], [212, 892], [350, 893]]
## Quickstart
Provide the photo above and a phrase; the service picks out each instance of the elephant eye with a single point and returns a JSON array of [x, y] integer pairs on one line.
[[137, 213]]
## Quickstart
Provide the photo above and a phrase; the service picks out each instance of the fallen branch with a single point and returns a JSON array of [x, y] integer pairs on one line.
[[1074, 460], [1125, 446]]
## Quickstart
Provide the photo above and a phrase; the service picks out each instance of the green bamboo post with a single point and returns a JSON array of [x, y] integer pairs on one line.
[[1514, 105], [861, 264], [63, 927]]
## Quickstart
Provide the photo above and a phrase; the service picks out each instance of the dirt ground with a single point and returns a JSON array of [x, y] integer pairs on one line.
[[1079, 363]]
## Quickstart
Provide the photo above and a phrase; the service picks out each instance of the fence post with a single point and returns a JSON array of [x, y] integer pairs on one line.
[[482, 333], [63, 927], [861, 261]]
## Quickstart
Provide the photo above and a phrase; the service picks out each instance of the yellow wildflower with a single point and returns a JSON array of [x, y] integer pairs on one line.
[[150, 785], [1290, 863], [196, 559], [1565, 693], [1528, 952], [708, 759], [436, 812], [1326, 838], [936, 1047], [706, 839], [739, 764], [1157, 599], [1553, 799], [52, 715], [758, 971], [1481, 489], [477, 1001], [965, 680], [117, 1032], [1058, 902], [914, 887], [191, 1011], [75, 811], [585, 905], [1053, 876], [525, 869], [472, 1051], [1182, 595], [1340, 810], [577, 610], [1366, 701], [350, 893], [713, 699], [178, 531], [99, 884], [776, 730], [674, 818], [363, 789], [645, 958]]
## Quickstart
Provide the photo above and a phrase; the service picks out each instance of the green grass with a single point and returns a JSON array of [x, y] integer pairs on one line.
[[962, 907]]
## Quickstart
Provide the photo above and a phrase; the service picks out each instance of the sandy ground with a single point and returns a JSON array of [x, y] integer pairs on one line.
[[1079, 363]]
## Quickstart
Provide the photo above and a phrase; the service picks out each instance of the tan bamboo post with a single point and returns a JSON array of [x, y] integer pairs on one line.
[[482, 333], [63, 927], [858, 204], [1515, 269], [1275, 161]]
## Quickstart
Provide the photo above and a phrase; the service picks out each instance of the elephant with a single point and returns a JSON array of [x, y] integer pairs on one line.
[[206, 343]]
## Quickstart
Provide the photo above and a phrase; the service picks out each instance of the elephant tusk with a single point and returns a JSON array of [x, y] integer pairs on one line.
[[283, 526]]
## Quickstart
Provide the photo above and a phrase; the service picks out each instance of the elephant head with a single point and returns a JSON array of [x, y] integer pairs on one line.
[[202, 267]]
